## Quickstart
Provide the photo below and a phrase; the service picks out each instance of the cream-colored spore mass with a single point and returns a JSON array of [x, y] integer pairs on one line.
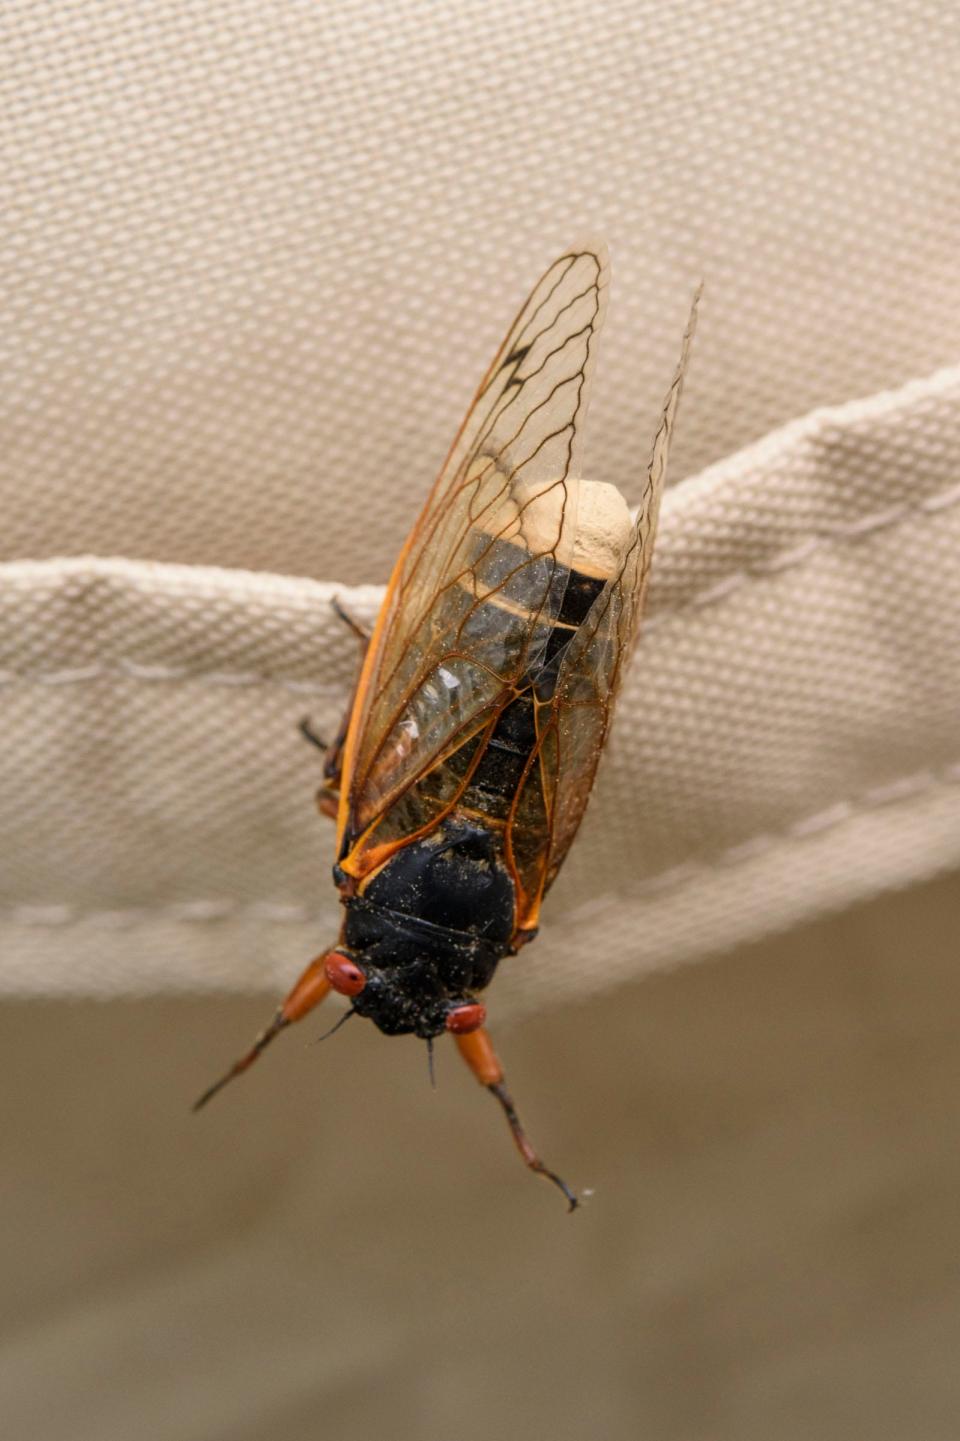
[[604, 529], [595, 544]]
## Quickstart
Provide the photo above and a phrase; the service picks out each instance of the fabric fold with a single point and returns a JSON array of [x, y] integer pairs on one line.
[[787, 741]]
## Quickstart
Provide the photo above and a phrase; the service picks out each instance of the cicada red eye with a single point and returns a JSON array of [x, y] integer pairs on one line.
[[343, 974], [464, 1019]]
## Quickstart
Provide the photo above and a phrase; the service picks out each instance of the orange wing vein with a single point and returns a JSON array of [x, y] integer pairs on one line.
[[470, 605], [595, 662]]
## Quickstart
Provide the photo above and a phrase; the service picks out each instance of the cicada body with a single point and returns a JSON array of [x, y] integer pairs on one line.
[[484, 699]]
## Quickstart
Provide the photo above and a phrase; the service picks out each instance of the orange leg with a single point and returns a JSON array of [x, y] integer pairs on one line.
[[477, 1050], [311, 988]]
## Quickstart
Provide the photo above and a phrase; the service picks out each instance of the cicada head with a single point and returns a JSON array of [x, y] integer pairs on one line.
[[402, 1000]]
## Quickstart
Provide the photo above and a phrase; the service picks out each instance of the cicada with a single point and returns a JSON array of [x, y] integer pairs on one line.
[[465, 761]]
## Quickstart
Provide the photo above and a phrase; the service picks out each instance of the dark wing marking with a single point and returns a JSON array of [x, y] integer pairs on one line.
[[469, 607]]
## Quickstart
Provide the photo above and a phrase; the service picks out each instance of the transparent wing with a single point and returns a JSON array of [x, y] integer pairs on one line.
[[469, 608], [593, 666]]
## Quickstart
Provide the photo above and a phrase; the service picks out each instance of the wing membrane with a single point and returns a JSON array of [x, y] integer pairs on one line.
[[471, 601], [595, 661]]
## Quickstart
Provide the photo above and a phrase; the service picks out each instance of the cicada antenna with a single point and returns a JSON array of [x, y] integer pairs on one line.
[[336, 1026]]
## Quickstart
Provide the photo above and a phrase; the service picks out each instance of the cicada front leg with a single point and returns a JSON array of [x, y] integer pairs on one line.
[[328, 796], [311, 987], [477, 1050]]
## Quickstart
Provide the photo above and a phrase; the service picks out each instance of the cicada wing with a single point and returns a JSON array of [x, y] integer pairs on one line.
[[470, 603], [595, 661]]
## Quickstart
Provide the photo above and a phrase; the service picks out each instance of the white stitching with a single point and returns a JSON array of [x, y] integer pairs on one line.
[[203, 912], [123, 669], [798, 554], [198, 912], [890, 793]]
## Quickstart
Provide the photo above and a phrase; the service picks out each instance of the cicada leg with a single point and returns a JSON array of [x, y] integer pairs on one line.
[[361, 631], [310, 989], [328, 796], [477, 1050]]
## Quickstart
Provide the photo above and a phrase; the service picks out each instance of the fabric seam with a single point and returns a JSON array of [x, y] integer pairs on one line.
[[123, 669], [802, 551], [791, 558], [908, 787]]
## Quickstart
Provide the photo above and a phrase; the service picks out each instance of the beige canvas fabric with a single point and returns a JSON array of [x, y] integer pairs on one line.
[[251, 287], [256, 256], [787, 740]]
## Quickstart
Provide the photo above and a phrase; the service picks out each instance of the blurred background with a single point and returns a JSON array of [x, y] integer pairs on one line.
[[770, 1249], [257, 257]]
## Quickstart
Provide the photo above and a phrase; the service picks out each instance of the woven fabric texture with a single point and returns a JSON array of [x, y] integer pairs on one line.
[[258, 255], [786, 741]]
